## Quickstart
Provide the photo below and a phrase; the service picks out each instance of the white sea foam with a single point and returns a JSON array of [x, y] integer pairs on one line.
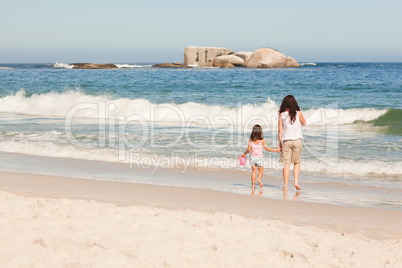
[[132, 66], [62, 65], [322, 116], [66, 150], [361, 168], [32, 136], [55, 104], [51, 149], [308, 64], [195, 65], [6, 68]]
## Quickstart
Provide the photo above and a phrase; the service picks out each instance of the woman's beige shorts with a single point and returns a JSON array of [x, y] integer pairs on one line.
[[291, 151]]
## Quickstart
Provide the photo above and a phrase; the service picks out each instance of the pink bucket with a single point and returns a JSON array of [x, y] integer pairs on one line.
[[242, 160]]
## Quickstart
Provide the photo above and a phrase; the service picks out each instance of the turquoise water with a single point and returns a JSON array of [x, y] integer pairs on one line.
[[353, 85], [201, 118]]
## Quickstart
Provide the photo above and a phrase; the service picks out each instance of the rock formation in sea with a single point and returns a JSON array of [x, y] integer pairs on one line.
[[292, 62], [93, 66], [245, 55], [224, 57], [229, 61], [204, 56], [171, 65], [266, 58]]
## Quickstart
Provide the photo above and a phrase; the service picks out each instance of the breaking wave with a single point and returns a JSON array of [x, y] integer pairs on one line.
[[308, 64], [124, 66], [62, 65], [55, 104]]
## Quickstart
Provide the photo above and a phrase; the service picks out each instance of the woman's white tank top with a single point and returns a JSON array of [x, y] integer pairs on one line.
[[291, 131]]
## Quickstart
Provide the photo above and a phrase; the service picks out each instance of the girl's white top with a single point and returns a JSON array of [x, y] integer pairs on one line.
[[291, 131]]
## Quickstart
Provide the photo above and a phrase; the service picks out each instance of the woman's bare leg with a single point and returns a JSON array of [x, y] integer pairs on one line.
[[286, 174], [296, 173]]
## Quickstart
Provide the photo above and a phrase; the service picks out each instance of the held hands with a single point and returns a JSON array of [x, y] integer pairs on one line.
[[279, 149]]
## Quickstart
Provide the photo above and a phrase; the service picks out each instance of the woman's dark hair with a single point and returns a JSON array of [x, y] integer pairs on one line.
[[256, 133], [290, 103]]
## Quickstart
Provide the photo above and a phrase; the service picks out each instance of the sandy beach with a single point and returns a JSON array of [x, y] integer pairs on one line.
[[63, 222]]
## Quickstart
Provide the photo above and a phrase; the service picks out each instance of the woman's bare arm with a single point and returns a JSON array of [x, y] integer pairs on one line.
[[302, 120], [280, 129]]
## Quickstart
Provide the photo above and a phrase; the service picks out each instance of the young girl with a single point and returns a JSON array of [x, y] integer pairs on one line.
[[255, 145]]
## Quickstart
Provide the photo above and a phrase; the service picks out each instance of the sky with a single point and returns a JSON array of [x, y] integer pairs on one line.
[[130, 31]]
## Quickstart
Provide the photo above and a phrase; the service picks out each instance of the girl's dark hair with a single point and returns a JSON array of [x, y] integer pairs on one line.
[[290, 103], [256, 134]]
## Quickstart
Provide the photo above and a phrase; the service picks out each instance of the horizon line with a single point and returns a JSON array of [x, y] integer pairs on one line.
[[181, 61]]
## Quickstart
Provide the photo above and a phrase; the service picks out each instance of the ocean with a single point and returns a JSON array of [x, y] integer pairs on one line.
[[200, 119]]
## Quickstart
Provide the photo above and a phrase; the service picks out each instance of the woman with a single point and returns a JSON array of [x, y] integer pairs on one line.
[[290, 138]]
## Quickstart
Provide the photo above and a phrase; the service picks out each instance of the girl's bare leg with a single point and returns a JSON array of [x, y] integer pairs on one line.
[[286, 174], [296, 173], [260, 173], [253, 175]]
